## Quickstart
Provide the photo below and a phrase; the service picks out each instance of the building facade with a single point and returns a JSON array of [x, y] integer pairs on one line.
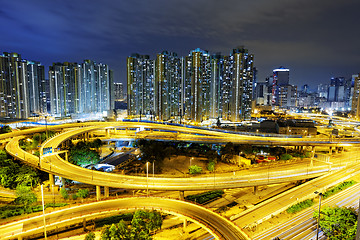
[[355, 106]]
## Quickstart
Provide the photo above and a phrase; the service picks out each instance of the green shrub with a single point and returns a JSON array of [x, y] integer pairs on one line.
[[194, 169], [338, 188], [211, 166], [83, 193], [300, 206], [64, 193], [90, 236], [285, 156], [74, 196], [205, 197]]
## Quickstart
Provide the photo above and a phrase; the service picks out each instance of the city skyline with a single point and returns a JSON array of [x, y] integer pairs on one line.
[[315, 43]]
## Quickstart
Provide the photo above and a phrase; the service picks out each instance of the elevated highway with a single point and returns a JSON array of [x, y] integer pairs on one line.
[[54, 164], [217, 225]]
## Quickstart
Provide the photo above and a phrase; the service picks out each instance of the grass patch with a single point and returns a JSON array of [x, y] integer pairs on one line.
[[205, 197], [300, 206], [338, 188]]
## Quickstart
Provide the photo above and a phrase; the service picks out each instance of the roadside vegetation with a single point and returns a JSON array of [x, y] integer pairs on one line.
[[205, 197], [338, 188], [300, 206], [309, 202]]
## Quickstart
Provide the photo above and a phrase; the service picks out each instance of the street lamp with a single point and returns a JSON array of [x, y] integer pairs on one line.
[[43, 208], [317, 225], [147, 178]]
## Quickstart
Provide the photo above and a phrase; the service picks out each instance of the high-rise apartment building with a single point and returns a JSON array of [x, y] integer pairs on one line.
[[140, 85], [241, 84], [37, 87], [216, 85], [198, 87], [22, 87], [169, 69], [80, 88]]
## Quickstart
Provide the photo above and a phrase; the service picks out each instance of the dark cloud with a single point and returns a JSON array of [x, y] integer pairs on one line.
[[314, 38]]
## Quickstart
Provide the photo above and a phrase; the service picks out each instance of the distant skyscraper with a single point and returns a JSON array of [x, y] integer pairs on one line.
[[280, 78], [140, 85], [80, 88], [119, 91]]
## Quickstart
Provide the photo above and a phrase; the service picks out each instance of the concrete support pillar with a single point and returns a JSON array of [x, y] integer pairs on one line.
[[312, 156], [62, 182], [181, 195], [115, 130], [184, 224], [330, 150], [52, 182], [106, 192], [66, 156], [312, 151], [98, 193], [107, 131], [20, 238], [256, 188], [84, 224]]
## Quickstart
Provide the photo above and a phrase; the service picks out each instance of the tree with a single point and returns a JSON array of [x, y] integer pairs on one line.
[[25, 196], [27, 176], [5, 129], [142, 223], [337, 223], [90, 236]]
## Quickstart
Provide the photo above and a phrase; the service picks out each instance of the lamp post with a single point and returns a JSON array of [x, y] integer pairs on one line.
[[153, 170], [147, 179], [317, 225], [46, 127], [43, 207]]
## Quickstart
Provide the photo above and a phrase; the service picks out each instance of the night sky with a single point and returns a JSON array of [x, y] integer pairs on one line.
[[315, 39]]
